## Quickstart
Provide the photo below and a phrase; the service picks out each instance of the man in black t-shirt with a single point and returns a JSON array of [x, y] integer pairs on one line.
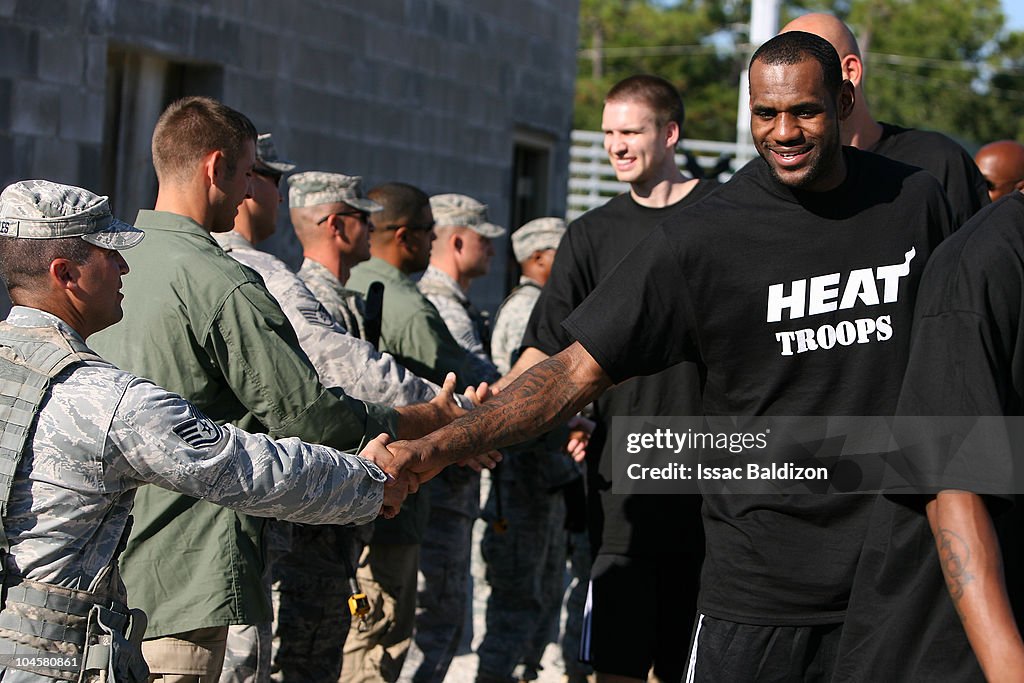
[[648, 548], [934, 152], [967, 359], [792, 287]]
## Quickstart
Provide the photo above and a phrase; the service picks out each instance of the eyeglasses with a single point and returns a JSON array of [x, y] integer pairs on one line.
[[423, 227], [272, 175], [364, 216]]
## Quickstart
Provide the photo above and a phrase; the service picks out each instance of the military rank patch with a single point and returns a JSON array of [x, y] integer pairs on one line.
[[198, 431], [317, 315]]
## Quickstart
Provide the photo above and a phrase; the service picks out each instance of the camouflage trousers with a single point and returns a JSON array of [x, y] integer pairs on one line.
[[442, 597], [525, 570], [311, 591], [247, 653]]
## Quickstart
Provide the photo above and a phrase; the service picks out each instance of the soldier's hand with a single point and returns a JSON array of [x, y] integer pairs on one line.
[[395, 491], [478, 394], [580, 429], [376, 451], [478, 463], [445, 400], [422, 418]]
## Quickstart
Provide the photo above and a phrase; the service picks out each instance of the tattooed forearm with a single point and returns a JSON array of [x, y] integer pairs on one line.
[[954, 556], [541, 398]]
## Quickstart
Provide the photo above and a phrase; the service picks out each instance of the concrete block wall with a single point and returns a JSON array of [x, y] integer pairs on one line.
[[428, 92]]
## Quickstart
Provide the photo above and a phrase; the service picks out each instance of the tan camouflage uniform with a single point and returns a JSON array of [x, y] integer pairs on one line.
[[345, 305], [340, 359], [466, 323]]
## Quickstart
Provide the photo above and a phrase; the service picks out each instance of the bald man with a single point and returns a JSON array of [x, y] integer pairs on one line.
[[963, 183], [1002, 164]]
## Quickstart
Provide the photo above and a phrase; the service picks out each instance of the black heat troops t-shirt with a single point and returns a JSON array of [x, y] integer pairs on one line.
[[593, 245], [794, 303], [956, 171], [967, 358]]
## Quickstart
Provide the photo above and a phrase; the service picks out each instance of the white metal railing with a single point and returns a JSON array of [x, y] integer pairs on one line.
[[592, 181]]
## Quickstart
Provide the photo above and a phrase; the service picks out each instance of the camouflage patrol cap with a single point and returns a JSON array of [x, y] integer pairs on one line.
[[266, 154], [313, 188], [458, 210], [41, 210], [539, 234]]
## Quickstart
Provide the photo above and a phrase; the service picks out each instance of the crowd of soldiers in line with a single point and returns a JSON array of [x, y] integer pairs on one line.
[[250, 559], [256, 337]]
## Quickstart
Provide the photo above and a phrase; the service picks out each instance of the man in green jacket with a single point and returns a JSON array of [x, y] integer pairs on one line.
[[204, 326]]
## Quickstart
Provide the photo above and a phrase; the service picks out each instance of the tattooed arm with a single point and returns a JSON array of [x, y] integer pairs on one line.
[[544, 396], [973, 568]]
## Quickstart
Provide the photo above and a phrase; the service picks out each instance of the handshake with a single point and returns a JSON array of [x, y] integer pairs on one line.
[[410, 463]]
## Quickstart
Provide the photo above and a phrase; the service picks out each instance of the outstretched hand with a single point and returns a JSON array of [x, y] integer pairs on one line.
[[420, 419], [445, 401], [479, 393], [478, 463]]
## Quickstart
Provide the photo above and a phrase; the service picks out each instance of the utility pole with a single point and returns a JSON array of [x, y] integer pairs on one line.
[[764, 24]]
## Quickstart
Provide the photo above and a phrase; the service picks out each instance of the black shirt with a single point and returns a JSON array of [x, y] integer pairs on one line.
[[967, 358], [593, 245], [793, 303], [954, 168]]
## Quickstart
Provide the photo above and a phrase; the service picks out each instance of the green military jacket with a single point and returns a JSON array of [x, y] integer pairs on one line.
[[202, 325], [411, 329]]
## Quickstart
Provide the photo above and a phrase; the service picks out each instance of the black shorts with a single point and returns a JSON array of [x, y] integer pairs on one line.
[[747, 653], [639, 614]]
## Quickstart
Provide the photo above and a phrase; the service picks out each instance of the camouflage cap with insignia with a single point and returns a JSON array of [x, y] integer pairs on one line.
[[42, 210], [266, 154], [539, 234], [458, 210], [313, 188]]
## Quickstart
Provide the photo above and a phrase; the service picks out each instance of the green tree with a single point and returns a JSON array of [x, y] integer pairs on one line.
[[672, 40], [947, 65]]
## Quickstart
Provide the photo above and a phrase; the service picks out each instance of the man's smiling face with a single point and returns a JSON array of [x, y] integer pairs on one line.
[[794, 122]]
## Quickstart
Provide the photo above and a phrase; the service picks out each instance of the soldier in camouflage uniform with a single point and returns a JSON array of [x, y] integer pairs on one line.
[[462, 253], [534, 246], [80, 436], [526, 562], [311, 589], [333, 222]]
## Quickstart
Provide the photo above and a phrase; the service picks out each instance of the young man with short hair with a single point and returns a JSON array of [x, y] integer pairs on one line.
[[643, 122]]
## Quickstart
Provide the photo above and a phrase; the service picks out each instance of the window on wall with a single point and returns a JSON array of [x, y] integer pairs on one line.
[[139, 86], [531, 182]]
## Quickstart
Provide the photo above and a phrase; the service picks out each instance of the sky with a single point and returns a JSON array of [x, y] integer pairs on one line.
[[1014, 11]]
